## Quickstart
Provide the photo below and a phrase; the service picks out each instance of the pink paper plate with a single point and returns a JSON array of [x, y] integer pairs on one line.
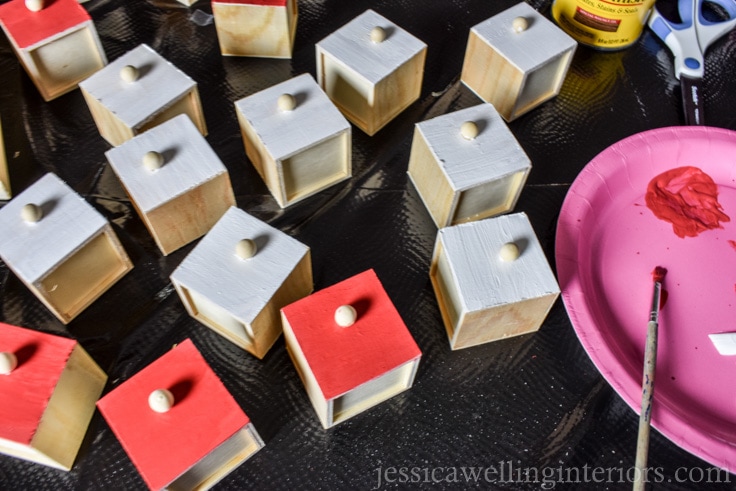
[[609, 241]]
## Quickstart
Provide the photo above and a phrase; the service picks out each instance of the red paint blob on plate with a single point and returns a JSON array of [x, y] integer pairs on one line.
[[687, 198], [732, 243]]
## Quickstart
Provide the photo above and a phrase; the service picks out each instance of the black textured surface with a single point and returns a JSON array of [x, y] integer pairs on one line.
[[534, 401]]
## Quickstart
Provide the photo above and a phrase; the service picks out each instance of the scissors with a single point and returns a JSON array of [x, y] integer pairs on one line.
[[688, 40]]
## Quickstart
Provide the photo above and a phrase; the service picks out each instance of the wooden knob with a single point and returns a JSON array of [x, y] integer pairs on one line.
[[153, 160], [161, 400], [31, 213], [469, 130], [8, 362], [520, 24], [34, 5], [246, 249], [286, 102], [378, 35], [345, 316], [129, 73], [509, 252]]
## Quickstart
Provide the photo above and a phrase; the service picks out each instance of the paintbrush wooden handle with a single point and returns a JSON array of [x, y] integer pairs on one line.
[[645, 416]]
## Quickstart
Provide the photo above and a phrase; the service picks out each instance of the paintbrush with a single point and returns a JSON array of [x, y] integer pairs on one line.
[[647, 389]]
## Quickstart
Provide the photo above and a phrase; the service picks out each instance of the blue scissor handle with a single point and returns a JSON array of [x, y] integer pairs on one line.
[[689, 39], [709, 31]]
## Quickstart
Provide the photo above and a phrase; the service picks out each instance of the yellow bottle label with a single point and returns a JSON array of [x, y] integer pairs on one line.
[[605, 24]]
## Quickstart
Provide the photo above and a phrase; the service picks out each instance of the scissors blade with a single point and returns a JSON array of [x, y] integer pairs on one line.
[[692, 101]]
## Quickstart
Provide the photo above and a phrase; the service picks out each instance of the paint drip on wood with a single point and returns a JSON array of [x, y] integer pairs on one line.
[[687, 198]]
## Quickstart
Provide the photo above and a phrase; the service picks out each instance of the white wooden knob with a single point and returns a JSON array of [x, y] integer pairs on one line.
[[509, 252], [246, 249], [153, 160], [34, 5], [8, 362], [378, 34], [345, 316], [161, 400], [31, 213], [286, 102], [129, 73], [520, 24], [469, 130]]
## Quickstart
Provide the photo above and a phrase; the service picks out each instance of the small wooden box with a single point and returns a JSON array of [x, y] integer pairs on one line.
[[48, 389], [492, 280], [58, 45], [138, 91], [261, 28], [239, 296], [349, 368], [371, 69], [467, 165], [194, 441], [517, 60], [4, 175], [177, 183], [295, 137], [69, 255]]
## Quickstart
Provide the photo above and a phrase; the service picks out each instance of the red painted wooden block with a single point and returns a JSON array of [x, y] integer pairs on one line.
[[178, 423], [48, 389], [350, 347], [57, 45]]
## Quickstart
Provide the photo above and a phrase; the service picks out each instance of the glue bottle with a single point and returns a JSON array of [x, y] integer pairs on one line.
[[602, 24]]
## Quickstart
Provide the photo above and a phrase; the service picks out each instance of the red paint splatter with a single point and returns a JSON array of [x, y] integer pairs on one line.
[[732, 243], [687, 198]]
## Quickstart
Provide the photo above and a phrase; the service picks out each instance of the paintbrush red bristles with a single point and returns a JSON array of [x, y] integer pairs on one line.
[[647, 395], [658, 274]]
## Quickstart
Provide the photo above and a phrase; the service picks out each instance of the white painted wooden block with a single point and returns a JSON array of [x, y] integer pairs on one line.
[[178, 423], [4, 175], [238, 277], [372, 70], [261, 28], [467, 165], [491, 279], [57, 45], [138, 91], [517, 60], [60, 247], [350, 347], [48, 389], [177, 183], [296, 139]]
